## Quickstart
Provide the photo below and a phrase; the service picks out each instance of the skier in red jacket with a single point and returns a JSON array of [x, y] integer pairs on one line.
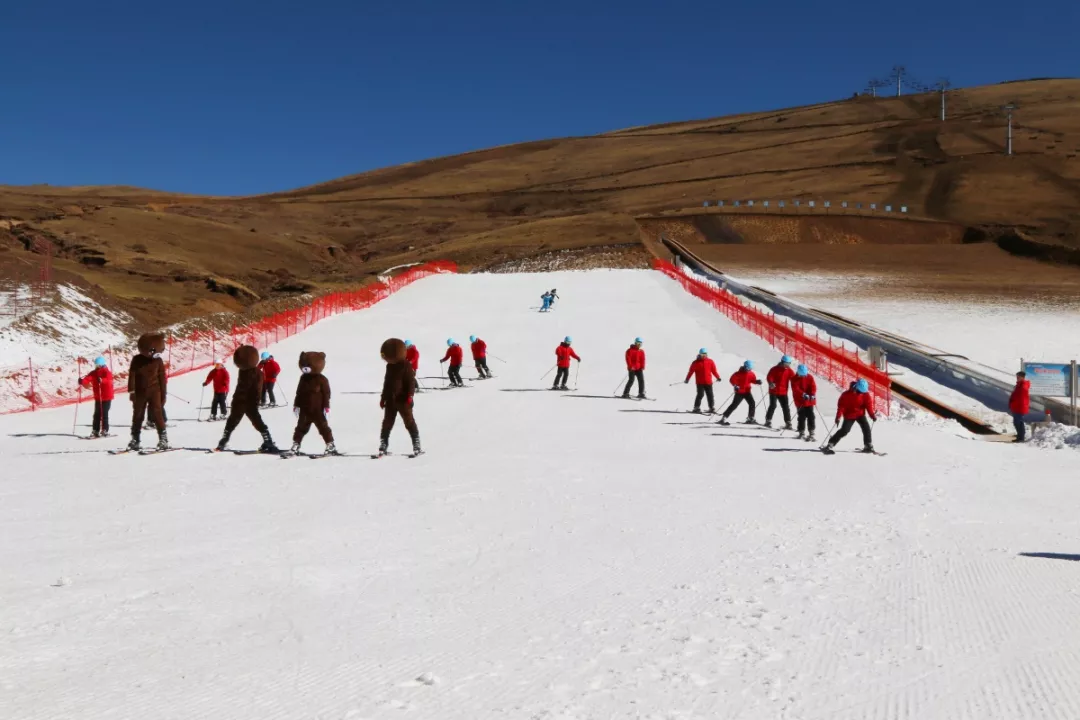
[[412, 355], [743, 381], [101, 380], [1020, 404], [219, 376], [779, 379], [479, 356], [454, 354], [635, 365], [804, 392], [703, 369], [563, 355], [854, 405], [270, 371]]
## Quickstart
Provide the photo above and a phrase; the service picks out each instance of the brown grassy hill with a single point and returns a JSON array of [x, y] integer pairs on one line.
[[177, 255]]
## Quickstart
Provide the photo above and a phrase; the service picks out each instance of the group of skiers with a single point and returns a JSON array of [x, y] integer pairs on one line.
[[548, 299]]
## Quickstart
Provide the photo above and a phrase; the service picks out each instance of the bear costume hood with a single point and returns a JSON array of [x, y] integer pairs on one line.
[[246, 357], [312, 362], [393, 351], [151, 343]]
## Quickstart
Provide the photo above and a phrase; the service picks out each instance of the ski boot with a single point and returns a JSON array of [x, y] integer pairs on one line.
[[295, 449], [800, 436], [869, 449], [625, 396], [811, 438], [724, 421], [642, 397], [554, 387], [416, 449], [384, 447], [213, 418], [563, 387], [752, 421], [95, 434], [787, 426], [268, 445], [331, 449], [828, 449], [134, 445], [163, 441], [768, 424], [223, 444]]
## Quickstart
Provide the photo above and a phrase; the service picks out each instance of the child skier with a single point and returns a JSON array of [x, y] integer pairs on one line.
[[219, 376], [270, 370], [399, 385], [479, 354], [742, 380], [635, 366], [703, 369], [804, 392], [854, 405], [412, 355], [101, 380], [147, 388], [312, 403], [779, 379], [454, 354], [245, 399], [563, 355]]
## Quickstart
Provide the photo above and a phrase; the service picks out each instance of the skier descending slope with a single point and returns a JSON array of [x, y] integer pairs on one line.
[[312, 403], [101, 380], [854, 405], [779, 379], [270, 371], [245, 399], [455, 355], [743, 381], [804, 392], [399, 385], [219, 376], [563, 354], [704, 371], [147, 387], [635, 366], [479, 354]]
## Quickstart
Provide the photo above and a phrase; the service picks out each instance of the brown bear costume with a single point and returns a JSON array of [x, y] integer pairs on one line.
[[245, 400], [399, 385], [147, 389], [312, 403]]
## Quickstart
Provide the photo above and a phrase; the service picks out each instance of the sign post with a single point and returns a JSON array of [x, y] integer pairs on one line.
[[1057, 380]]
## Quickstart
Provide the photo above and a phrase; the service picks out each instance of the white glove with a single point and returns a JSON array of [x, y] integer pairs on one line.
[[296, 411], [326, 412]]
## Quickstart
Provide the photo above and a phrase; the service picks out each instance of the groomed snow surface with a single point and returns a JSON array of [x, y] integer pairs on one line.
[[552, 556]]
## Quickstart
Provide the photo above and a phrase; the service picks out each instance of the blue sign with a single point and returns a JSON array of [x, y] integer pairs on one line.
[[750, 203], [1049, 379], [719, 203], [736, 203], [781, 203], [765, 203], [705, 204], [811, 203]]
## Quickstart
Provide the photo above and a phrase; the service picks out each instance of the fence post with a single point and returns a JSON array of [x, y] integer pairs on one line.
[[33, 401]]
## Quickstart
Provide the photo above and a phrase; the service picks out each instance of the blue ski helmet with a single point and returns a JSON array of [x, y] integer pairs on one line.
[[801, 371], [472, 338], [862, 386], [568, 339], [450, 341], [703, 351], [637, 341], [265, 356], [748, 365], [99, 361], [408, 343], [786, 360]]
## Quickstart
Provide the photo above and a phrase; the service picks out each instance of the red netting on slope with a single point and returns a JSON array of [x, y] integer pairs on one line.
[[32, 386], [827, 360]]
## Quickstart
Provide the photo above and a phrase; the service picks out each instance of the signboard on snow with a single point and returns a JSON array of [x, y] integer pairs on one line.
[[1049, 379]]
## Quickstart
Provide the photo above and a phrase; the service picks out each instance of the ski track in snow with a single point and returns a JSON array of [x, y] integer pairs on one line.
[[547, 558]]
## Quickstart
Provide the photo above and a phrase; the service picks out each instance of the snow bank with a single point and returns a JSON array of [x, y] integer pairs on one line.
[[1056, 436]]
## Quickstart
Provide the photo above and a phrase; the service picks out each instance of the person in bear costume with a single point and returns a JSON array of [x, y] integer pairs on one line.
[[312, 403], [147, 390], [399, 385], [246, 397]]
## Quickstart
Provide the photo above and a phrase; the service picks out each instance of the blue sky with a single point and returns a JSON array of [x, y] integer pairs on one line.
[[240, 97]]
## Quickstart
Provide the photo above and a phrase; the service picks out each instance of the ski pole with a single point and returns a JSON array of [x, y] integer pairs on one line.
[[202, 395], [75, 422], [577, 372], [186, 402], [499, 359], [548, 372], [676, 383], [442, 373], [616, 390]]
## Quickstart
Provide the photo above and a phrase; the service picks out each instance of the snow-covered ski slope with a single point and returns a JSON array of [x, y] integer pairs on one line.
[[551, 556]]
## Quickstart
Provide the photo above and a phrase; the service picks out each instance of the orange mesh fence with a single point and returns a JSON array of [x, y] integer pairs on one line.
[[34, 386]]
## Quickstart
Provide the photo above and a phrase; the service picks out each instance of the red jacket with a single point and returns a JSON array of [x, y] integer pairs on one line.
[[220, 378], [742, 380], [853, 405], [1020, 400], [479, 349], [101, 379], [412, 356], [703, 370], [270, 370], [779, 378], [454, 354], [563, 353], [801, 387], [635, 358]]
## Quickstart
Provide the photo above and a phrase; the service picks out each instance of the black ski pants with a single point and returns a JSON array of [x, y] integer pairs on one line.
[[638, 375], [101, 416], [807, 419], [740, 398], [482, 367], [454, 373], [561, 377], [218, 404], [864, 425], [268, 393], [704, 391], [782, 401]]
